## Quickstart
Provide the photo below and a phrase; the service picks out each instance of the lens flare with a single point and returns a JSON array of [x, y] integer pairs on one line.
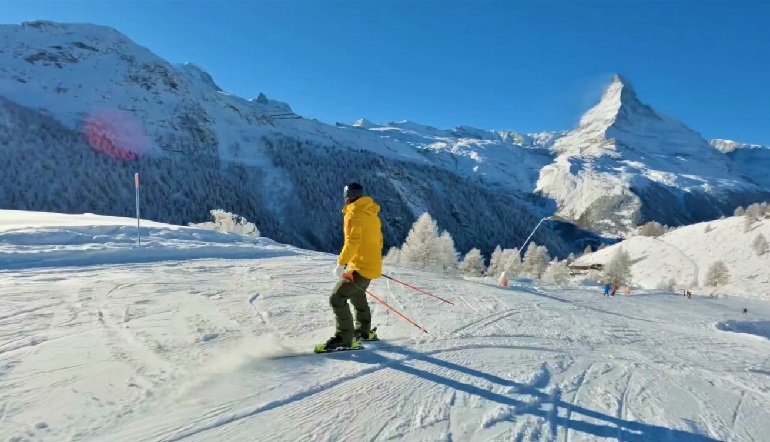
[[116, 133]]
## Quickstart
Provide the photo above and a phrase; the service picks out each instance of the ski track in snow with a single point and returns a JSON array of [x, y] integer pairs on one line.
[[518, 326], [219, 349], [696, 276]]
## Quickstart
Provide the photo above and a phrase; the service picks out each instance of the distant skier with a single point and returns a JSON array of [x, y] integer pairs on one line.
[[614, 289], [607, 289], [745, 311], [359, 262]]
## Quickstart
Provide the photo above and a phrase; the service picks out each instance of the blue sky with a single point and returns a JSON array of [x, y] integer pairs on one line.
[[524, 66]]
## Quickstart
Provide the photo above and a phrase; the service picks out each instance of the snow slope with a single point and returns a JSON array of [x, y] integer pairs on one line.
[[205, 349], [685, 254], [39, 239]]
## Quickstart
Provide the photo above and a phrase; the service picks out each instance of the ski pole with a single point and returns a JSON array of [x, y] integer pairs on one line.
[[419, 290], [388, 306], [394, 310]]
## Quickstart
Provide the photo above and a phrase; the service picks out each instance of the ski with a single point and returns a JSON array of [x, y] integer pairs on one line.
[[321, 348]]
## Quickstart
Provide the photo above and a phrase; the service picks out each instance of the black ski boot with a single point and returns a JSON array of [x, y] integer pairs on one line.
[[335, 344], [371, 335]]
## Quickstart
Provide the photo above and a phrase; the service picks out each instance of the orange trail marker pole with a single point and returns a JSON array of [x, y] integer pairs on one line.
[[136, 186]]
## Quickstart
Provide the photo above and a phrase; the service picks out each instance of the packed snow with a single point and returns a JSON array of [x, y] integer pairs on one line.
[[685, 255], [39, 239], [199, 347]]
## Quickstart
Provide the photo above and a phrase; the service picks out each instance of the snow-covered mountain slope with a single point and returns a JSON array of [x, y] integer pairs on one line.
[[751, 160], [83, 108], [501, 158], [626, 163], [206, 349], [114, 107], [52, 66], [685, 255]]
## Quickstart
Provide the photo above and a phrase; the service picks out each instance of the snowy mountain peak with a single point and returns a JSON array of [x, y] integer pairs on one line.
[[728, 146], [620, 89], [418, 128], [200, 74], [622, 120], [79, 28], [619, 104], [65, 42], [365, 124], [625, 163], [279, 105]]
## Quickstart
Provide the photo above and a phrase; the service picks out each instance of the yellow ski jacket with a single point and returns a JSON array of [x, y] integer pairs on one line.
[[362, 250]]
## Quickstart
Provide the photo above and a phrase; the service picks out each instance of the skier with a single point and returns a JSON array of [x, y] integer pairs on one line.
[[607, 289], [745, 311], [359, 262], [614, 289]]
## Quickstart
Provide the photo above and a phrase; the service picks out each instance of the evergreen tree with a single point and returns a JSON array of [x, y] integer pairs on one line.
[[228, 222], [754, 212], [557, 272], [473, 264], [667, 284], [393, 256], [447, 253], [618, 270], [495, 262], [748, 221], [535, 260], [511, 262], [760, 244], [652, 229], [717, 274], [421, 248]]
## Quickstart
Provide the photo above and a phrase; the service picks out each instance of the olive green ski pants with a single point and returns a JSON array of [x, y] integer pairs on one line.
[[355, 292]]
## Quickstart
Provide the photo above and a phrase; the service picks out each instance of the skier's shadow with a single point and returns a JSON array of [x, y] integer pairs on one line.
[[612, 427]]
